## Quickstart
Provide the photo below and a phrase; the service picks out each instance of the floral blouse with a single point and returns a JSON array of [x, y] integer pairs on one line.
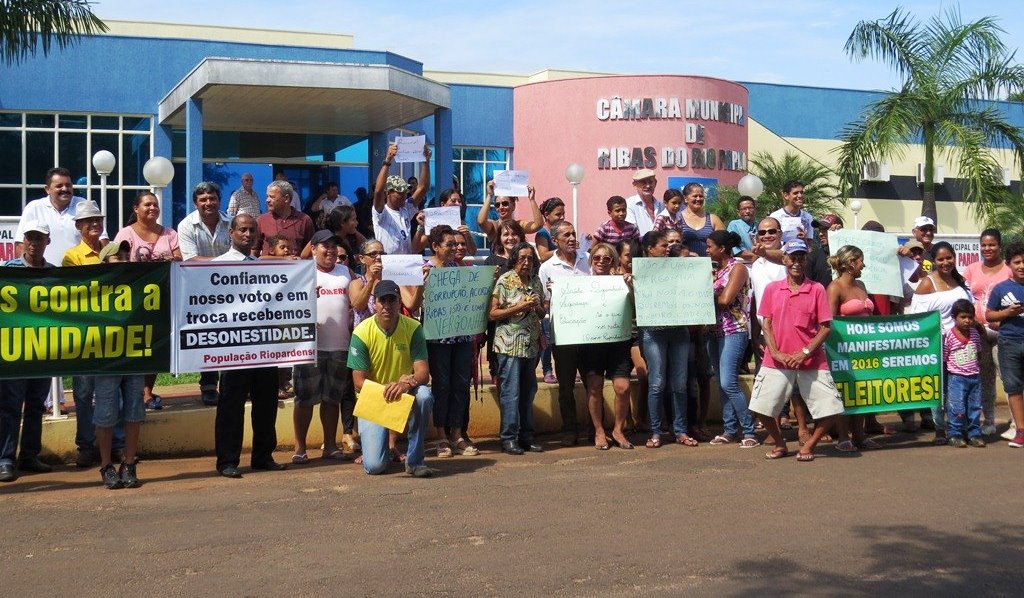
[[519, 335]]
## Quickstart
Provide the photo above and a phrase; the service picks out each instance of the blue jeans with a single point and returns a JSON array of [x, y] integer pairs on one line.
[[666, 351], [374, 437], [545, 356], [451, 366], [17, 395], [518, 389], [963, 404], [725, 353]]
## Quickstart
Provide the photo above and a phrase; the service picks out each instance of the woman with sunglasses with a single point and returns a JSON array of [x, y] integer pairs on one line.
[[506, 207], [450, 360], [517, 306], [610, 361]]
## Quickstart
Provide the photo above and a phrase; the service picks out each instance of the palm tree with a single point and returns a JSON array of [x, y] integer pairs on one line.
[[949, 69], [25, 25]]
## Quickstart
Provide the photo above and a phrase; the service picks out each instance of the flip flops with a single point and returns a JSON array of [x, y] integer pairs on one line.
[[300, 459]]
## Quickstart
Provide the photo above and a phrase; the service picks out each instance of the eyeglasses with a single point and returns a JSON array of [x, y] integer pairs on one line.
[[602, 259], [767, 231], [502, 204], [374, 254]]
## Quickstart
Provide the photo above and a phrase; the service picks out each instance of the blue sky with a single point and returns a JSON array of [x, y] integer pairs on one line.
[[795, 42]]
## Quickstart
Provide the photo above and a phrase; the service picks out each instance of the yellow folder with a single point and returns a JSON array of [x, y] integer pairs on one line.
[[371, 406]]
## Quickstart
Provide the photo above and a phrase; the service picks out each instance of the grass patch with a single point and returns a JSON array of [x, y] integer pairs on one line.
[[161, 380]]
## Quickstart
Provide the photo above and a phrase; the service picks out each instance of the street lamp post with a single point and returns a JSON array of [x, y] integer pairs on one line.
[[574, 174], [104, 163], [750, 185], [855, 206], [158, 172]]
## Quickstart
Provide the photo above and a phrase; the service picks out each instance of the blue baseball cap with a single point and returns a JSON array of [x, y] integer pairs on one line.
[[794, 246]]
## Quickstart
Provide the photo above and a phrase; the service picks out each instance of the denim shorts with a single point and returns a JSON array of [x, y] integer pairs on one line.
[[1011, 364], [117, 397], [327, 381]]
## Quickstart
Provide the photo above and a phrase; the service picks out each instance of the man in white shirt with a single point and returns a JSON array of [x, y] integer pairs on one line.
[[392, 211], [566, 261], [642, 207], [792, 216], [57, 212], [329, 200]]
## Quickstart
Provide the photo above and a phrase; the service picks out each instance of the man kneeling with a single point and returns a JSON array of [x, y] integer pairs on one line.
[[390, 349]]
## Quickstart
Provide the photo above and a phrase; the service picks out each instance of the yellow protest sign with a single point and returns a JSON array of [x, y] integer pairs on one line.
[[371, 406]]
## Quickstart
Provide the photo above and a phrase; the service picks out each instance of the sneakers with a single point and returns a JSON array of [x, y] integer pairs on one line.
[[155, 404], [110, 478], [957, 442], [976, 442], [1010, 433], [550, 378], [127, 475], [988, 430], [419, 471], [1018, 440]]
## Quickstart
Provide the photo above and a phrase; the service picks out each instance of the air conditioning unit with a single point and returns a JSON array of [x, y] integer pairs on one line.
[[875, 171], [938, 172]]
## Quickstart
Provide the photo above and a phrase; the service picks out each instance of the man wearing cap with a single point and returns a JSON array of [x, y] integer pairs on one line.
[[202, 236], [924, 233], [28, 394], [243, 201], [792, 216], [89, 222], [284, 221], [259, 385], [817, 260], [642, 208], [390, 349], [328, 381], [392, 212], [797, 318], [57, 212]]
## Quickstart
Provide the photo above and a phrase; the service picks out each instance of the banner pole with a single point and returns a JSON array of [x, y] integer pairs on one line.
[[56, 394]]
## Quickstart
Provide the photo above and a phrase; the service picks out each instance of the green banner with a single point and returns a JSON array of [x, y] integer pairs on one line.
[[85, 320], [456, 300], [886, 363]]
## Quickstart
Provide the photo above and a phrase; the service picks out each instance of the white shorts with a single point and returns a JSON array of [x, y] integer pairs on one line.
[[772, 388]]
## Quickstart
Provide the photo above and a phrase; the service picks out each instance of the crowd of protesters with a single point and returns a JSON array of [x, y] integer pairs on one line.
[[775, 295]]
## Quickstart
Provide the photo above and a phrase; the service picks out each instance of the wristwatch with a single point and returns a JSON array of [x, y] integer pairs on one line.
[[806, 351]]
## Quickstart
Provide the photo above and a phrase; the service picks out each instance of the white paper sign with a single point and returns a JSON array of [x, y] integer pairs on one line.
[[790, 226], [403, 269], [881, 273], [410, 149], [511, 183], [907, 267], [232, 315], [450, 215]]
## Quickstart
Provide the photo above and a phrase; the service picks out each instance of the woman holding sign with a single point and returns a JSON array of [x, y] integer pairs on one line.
[[937, 292], [728, 342], [450, 360], [449, 198], [667, 350], [517, 305], [607, 360], [506, 211]]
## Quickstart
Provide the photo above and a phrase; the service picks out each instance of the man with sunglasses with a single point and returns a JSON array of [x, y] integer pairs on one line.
[[642, 208], [390, 349], [766, 269]]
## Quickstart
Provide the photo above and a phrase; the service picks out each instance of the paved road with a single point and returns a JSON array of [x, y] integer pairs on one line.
[[910, 519]]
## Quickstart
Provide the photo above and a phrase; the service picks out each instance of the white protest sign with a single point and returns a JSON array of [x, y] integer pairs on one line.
[[410, 149], [881, 273], [791, 225], [591, 309], [236, 315], [450, 215], [907, 267], [403, 269], [673, 291], [511, 183]]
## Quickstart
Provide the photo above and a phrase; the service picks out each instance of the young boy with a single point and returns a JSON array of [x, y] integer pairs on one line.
[[616, 228], [960, 348], [668, 219], [280, 246]]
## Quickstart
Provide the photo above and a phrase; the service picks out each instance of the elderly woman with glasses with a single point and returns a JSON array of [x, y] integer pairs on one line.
[[506, 207], [517, 305]]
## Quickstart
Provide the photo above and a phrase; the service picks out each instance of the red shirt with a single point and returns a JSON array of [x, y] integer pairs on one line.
[[297, 227], [796, 319]]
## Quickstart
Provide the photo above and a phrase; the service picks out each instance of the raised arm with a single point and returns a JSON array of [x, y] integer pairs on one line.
[[424, 181], [486, 225], [380, 193], [538, 220]]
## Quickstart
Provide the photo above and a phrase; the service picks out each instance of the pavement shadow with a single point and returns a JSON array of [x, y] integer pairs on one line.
[[46, 483], [908, 560]]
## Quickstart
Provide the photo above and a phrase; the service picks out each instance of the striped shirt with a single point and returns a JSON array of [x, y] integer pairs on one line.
[[960, 355]]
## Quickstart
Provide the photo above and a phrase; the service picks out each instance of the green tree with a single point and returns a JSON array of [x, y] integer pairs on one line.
[[28, 25], [949, 69]]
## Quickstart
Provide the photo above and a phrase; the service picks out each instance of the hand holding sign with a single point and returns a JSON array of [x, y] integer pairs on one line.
[[410, 149], [403, 270], [511, 183], [450, 215]]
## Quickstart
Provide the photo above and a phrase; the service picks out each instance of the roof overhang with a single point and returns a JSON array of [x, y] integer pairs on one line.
[[302, 97]]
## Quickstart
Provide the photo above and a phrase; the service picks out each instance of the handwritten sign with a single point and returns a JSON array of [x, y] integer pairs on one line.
[[403, 269], [881, 272], [410, 149], [456, 301], [791, 227], [673, 291], [590, 309], [450, 215], [511, 183]]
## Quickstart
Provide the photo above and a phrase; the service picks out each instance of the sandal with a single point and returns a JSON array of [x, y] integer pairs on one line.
[[653, 442], [722, 439], [622, 444], [805, 457], [397, 457], [685, 440], [846, 446], [300, 459], [784, 424], [749, 443], [777, 453], [869, 445], [464, 448], [336, 455], [444, 450]]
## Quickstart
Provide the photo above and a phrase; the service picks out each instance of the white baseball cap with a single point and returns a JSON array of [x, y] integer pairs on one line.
[[923, 221]]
